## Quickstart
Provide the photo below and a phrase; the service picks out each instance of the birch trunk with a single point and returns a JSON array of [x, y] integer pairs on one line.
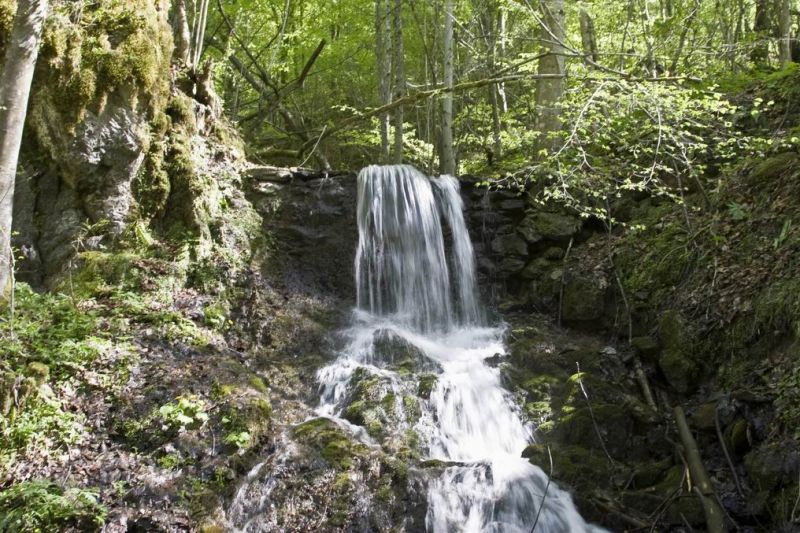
[[448, 157], [15, 86], [399, 80], [785, 30], [382, 49]]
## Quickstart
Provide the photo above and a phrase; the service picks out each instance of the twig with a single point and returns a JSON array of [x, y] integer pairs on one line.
[[563, 274], [594, 420], [718, 427], [546, 487], [319, 139]]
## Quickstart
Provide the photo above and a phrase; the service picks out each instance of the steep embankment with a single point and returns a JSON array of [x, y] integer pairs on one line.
[[707, 294]]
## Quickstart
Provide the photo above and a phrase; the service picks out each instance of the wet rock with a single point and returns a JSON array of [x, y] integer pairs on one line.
[[327, 438], [549, 226], [398, 354], [425, 385], [676, 363]]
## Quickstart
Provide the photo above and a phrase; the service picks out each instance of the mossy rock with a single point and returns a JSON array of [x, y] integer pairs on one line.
[[583, 299], [426, 384], [774, 167], [677, 363], [540, 225], [330, 441], [576, 466], [398, 354], [772, 465], [39, 372]]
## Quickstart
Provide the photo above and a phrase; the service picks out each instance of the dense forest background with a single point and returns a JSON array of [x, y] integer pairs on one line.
[[177, 242]]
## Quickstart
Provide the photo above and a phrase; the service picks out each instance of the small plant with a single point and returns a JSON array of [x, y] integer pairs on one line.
[[784, 234], [239, 439], [187, 412], [44, 507], [737, 211]]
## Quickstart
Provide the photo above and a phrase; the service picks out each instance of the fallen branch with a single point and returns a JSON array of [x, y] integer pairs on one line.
[[703, 487]]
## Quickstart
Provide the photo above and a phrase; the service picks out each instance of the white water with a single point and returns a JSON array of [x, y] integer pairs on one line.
[[407, 287]]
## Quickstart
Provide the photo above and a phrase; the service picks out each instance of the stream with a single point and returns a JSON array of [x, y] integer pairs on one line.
[[416, 290]]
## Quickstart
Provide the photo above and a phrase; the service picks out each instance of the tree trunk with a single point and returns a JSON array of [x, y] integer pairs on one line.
[[384, 69], [761, 27], [785, 30], [200, 34], [399, 80], [588, 38], [15, 87], [501, 87], [550, 90], [180, 23], [448, 157]]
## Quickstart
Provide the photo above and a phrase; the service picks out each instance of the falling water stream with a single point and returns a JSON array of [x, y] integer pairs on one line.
[[408, 288], [415, 279]]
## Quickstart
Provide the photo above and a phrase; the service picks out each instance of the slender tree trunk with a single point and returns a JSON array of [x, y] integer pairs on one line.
[[785, 30], [448, 156], [761, 27], [588, 38], [180, 29], [382, 40], [501, 87], [15, 87], [550, 90], [490, 29], [399, 80], [200, 34]]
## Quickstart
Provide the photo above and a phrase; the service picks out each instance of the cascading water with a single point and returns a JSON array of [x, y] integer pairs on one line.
[[407, 290]]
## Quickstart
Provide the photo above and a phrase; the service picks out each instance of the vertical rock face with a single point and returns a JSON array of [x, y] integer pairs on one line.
[[97, 106]]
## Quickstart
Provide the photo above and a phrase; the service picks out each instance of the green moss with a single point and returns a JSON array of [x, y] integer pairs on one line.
[[258, 384], [426, 384], [573, 465], [333, 445]]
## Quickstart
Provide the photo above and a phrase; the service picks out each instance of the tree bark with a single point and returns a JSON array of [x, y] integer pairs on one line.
[[384, 69], [399, 80], [550, 89], [180, 23], [447, 159], [785, 30], [15, 86], [588, 37], [200, 34]]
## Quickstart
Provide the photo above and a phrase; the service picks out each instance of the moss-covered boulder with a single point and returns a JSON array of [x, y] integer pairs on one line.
[[330, 441], [396, 353], [509, 245], [677, 361], [542, 225], [373, 404], [584, 298]]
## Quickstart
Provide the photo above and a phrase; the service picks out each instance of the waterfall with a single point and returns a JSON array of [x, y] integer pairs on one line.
[[407, 290]]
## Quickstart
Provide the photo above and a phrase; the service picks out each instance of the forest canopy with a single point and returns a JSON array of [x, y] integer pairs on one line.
[[295, 72]]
